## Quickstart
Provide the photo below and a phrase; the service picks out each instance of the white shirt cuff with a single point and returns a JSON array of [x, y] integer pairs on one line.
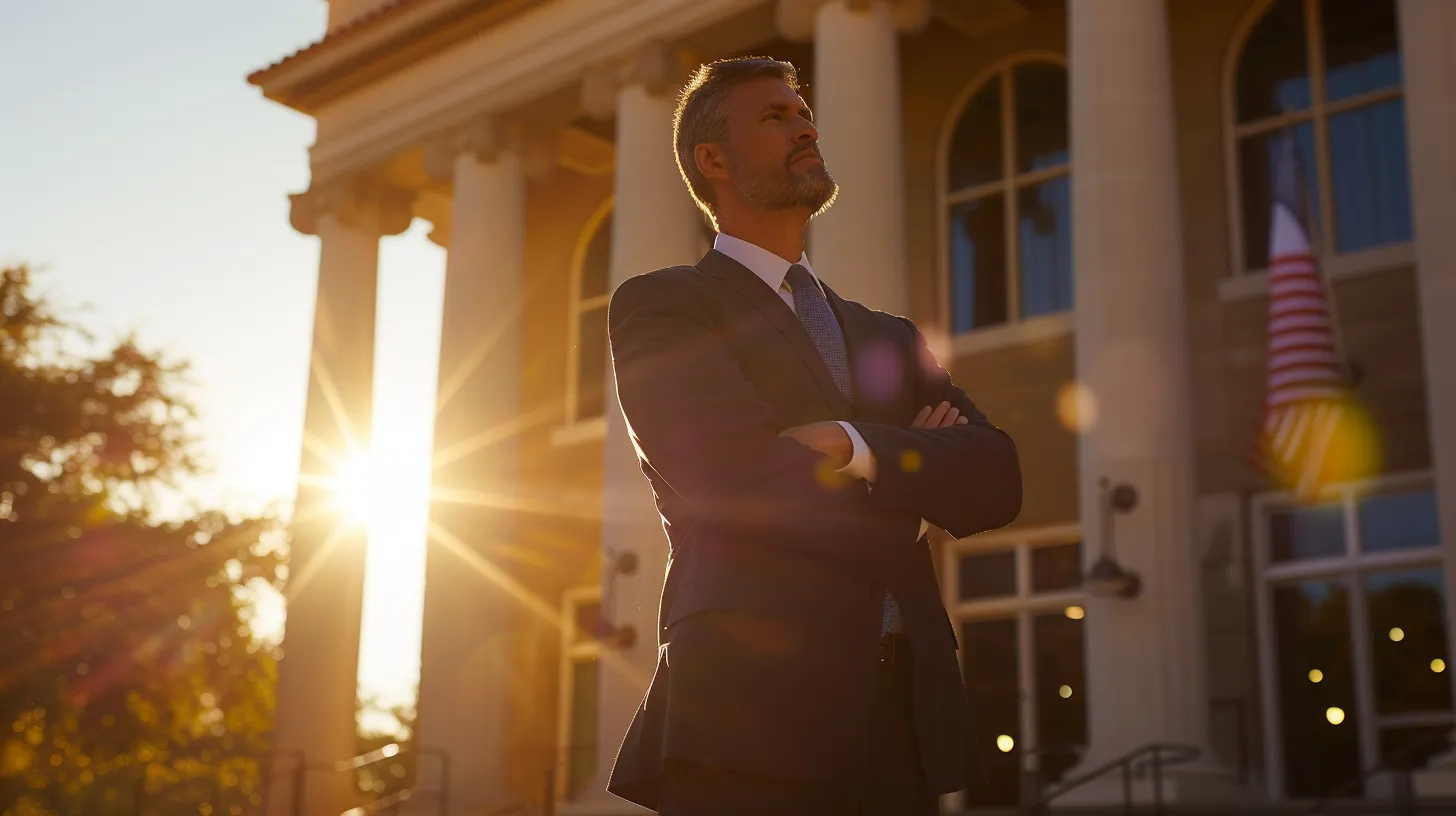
[[862, 461]]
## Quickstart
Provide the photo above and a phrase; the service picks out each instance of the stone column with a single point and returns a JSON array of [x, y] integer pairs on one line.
[[318, 676], [1145, 655], [1427, 41], [655, 224], [859, 244], [469, 616]]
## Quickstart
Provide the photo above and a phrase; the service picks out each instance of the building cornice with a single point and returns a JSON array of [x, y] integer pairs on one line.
[[498, 70], [377, 45]]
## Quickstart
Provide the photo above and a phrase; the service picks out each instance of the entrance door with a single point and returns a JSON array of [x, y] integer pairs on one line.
[[1353, 649]]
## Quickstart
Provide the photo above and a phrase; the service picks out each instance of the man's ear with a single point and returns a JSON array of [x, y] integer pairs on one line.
[[711, 161]]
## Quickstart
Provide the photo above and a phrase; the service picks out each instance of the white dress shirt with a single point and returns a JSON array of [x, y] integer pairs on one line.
[[771, 269]]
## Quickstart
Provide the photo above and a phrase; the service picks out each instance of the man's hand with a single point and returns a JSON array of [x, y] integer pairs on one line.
[[943, 415], [826, 437]]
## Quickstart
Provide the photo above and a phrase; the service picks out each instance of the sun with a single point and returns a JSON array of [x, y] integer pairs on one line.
[[356, 489]]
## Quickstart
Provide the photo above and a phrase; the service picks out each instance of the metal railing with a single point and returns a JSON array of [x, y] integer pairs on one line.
[[1402, 772], [1149, 759]]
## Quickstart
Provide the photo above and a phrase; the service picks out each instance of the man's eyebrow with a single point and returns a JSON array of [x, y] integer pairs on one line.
[[784, 107]]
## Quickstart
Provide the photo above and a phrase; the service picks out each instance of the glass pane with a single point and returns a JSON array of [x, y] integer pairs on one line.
[[1307, 532], [1257, 155], [1061, 691], [993, 685], [1362, 48], [596, 264], [1041, 116], [1368, 172], [975, 147], [581, 753], [1044, 233], [591, 364], [1056, 568], [1316, 686], [1407, 614], [978, 263], [1274, 67], [988, 575], [1413, 746], [1399, 521]]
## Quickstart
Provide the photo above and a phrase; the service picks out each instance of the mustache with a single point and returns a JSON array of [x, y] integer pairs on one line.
[[811, 147]]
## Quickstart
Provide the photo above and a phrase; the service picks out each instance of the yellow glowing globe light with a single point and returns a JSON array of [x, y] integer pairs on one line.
[[1005, 743], [356, 488], [1076, 406], [1315, 675], [1438, 665], [1397, 634], [1075, 612], [1065, 691], [1335, 715]]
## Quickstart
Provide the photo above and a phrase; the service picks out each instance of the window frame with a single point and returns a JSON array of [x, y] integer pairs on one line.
[[1023, 606], [1016, 329], [576, 646], [577, 429], [1246, 282], [1350, 566]]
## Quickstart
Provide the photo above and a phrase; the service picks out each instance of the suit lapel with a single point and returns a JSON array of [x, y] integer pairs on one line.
[[752, 289]]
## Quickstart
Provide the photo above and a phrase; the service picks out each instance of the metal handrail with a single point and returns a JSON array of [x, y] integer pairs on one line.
[[390, 751], [1027, 797], [1133, 763], [1402, 798]]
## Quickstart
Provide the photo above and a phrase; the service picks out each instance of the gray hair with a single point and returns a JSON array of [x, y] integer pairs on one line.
[[701, 119]]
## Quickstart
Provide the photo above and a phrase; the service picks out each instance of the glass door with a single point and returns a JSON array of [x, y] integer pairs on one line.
[[1353, 647]]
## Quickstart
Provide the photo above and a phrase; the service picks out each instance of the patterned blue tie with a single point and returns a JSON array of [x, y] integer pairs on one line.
[[814, 312]]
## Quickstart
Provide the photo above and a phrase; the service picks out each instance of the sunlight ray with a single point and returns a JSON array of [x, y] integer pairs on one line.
[[488, 338], [491, 436], [580, 504], [320, 372], [296, 583], [528, 599]]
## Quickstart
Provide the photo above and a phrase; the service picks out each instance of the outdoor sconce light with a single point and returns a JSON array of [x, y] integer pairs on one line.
[[622, 636], [1107, 578]]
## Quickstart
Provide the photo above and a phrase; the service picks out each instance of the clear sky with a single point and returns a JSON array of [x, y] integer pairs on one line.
[[148, 182]]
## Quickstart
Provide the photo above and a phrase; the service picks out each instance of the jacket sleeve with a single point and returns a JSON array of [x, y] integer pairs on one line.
[[701, 426], [965, 479]]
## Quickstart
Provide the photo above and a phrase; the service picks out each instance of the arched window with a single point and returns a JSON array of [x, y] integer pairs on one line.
[[591, 291], [1327, 74], [1007, 185]]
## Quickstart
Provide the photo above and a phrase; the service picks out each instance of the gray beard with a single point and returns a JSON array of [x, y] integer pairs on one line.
[[785, 189]]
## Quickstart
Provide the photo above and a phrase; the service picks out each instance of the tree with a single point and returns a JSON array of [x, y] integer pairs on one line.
[[130, 679]]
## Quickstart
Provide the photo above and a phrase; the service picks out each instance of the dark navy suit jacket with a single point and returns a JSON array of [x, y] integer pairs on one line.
[[769, 624]]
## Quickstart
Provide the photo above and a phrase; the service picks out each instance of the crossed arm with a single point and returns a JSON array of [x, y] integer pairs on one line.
[[951, 466], [705, 431]]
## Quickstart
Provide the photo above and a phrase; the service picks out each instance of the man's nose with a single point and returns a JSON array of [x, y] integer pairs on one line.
[[807, 132]]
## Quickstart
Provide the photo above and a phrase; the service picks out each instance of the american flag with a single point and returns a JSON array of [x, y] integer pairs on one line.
[[1306, 393]]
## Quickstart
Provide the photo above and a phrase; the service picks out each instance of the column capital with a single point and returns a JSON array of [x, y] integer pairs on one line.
[[360, 201], [656, 67], [484, 137], [796, 18]]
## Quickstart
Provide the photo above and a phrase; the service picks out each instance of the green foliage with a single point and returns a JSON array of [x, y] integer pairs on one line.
[[130, 679]]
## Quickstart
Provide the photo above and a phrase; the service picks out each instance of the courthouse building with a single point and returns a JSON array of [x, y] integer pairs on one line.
[[1072, 199]]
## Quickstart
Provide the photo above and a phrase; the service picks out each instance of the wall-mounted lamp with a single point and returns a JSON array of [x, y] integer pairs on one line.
[[1108, 578], [623, 636]]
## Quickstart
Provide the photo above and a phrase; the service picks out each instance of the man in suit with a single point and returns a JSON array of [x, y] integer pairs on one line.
[[797, 444]]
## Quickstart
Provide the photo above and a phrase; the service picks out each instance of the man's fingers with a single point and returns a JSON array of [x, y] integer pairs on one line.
[[950, 417], [937, 417], [962, 421], [921, 417]]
